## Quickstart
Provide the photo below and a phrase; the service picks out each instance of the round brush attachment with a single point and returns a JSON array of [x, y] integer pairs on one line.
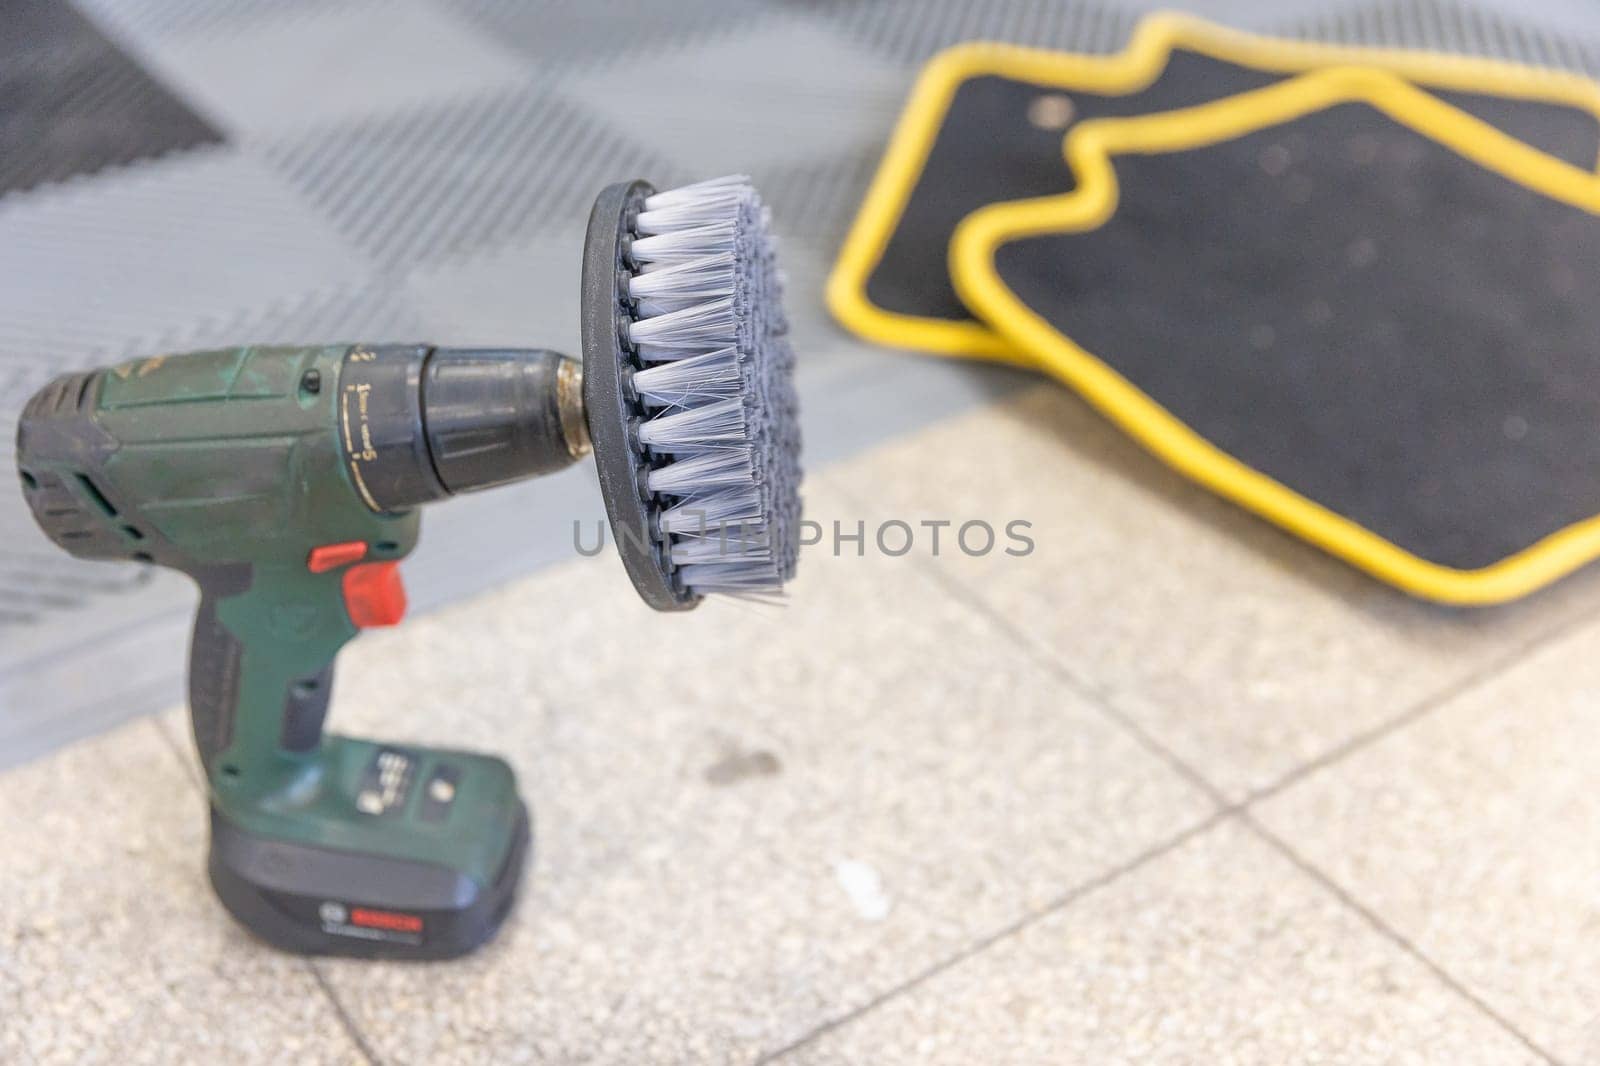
[[689, 389]]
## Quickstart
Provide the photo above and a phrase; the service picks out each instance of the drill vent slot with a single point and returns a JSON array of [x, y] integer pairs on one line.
[[99, 498]]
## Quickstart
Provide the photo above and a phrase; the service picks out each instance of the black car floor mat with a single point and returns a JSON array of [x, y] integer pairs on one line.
[[985, 121], [1340, 302]]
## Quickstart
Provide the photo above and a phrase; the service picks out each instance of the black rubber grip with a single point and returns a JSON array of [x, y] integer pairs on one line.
[[213, 679]]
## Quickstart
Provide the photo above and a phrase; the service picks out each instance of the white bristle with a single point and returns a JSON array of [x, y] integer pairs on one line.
[[699, 190], [749, 540], [695, 429], [688, 214], [681, 245], [677, 286], [687, 382], [693, 205], [714, 376], [724, 468], [730, 579], [697, 328], [706, 514]]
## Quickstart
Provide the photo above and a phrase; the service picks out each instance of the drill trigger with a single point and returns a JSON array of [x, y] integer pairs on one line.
[[373, 594]]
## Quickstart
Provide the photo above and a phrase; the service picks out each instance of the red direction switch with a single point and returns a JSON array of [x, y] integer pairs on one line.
[[325, 557]]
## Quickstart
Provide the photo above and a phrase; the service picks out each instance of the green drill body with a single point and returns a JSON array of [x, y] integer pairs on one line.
[[235, 467], [285, 481]]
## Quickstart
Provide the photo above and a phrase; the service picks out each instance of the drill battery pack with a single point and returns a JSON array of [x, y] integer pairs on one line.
[[383, 896]]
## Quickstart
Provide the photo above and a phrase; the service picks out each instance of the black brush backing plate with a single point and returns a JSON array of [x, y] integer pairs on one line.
[[609, 404]]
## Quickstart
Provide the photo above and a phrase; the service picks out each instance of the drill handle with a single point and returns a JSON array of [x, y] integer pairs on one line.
[[214, 664], [261, 669]]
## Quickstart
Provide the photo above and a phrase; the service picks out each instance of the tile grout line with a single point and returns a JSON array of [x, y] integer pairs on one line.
[[1089, 693], [1010, 929], [351, 1029], [1424, 706], [1311, 870], [1223, 811], [1242, 808], [1093, 696], [1332, 756]]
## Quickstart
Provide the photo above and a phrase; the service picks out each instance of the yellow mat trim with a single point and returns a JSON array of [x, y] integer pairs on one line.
[[1089, 150], [1132, 70]]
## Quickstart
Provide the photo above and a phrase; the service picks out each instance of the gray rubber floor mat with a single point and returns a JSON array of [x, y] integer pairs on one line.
[[73, 102]]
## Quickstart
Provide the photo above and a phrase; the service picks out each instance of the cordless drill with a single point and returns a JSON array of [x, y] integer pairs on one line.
[[285, 481]]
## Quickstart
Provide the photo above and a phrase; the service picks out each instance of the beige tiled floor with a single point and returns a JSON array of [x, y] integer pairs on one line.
[[1244, 651], [1476, 835], [111, 949], [1220, 950], [1173, 788], [682, 911]]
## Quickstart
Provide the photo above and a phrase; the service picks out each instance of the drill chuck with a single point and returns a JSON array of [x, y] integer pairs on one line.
[[418, 423]]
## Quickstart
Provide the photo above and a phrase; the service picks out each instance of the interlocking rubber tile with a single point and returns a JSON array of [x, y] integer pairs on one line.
[[202, 235], [518, 294], [147, 21], [303, 68], [814, 199], [754, 98], [910, 31], [1475, 833], [1554, 33], [1219, 951], [1569, 19], [575, 35], [72, 102], [463, 175]]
